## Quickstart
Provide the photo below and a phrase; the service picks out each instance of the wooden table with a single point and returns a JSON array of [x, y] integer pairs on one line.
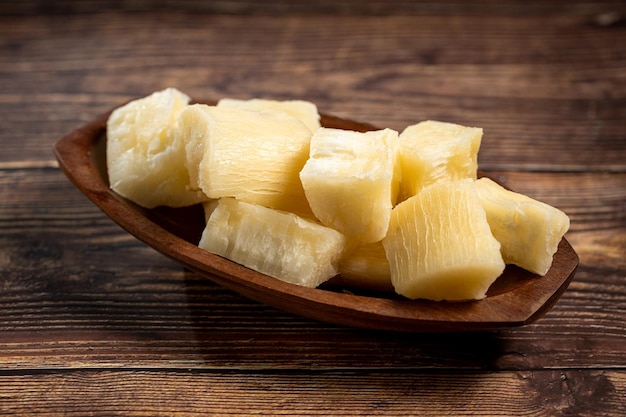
[[94, 322]]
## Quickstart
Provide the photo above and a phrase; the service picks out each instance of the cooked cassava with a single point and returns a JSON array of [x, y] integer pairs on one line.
[[283, 195]]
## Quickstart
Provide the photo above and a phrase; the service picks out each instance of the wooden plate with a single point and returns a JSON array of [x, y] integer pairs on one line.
[[516, 298]]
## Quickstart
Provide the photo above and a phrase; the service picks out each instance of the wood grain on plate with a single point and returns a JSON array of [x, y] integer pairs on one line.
[[517, 298]]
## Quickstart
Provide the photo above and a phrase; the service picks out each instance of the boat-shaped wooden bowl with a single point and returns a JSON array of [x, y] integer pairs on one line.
[[517, 298]]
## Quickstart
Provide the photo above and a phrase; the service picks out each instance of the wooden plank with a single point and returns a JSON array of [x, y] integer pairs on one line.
[[78, 291], [282, 7], [524, 79], [183, 393]]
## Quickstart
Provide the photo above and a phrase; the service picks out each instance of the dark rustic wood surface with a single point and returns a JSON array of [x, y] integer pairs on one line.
[[93, 322]]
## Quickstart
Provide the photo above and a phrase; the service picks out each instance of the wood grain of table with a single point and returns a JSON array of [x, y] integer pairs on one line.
[[94, 322]]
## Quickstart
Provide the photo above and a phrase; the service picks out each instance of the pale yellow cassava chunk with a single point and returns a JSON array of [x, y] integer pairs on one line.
[[145, 158], [528, 230], [273, 242], [433, 151], [440, 246], [348, 181], [253, 156], [366, 267], [302, 110]]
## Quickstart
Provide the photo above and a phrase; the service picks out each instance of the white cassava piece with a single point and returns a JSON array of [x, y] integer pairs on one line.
[[439, 244], [349, 181], [145, 157], [252, 156], [280, 244], [528, 230], [433, 151]]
